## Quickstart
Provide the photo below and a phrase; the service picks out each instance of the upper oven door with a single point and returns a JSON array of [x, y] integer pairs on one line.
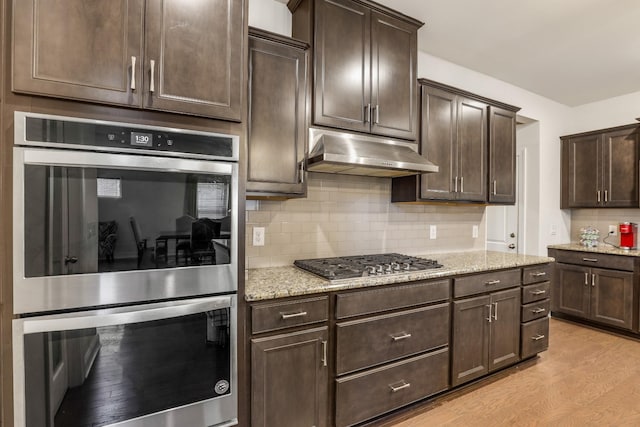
[[93, 229]]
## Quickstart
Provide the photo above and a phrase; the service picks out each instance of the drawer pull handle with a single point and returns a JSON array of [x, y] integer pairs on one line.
[[402, 336], [286, 316], [538, 310], [395, 388], [492, 282], [590, 259], [540, 274], [538, 292], [537, 337]]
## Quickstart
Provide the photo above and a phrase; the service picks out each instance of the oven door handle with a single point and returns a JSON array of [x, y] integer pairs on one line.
[[124, 315]]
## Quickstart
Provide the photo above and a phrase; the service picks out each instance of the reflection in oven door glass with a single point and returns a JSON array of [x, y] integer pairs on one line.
[[100, 376], [87, 220]]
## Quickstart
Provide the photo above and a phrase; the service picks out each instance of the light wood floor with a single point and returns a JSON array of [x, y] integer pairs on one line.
[[586, 378]]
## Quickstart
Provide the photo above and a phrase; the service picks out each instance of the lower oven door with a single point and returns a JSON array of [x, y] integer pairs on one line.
[[164, 364]]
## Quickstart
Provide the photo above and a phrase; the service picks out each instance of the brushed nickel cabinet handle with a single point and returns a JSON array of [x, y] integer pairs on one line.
[[492, 282], [377, 119], [401, 336], [286, 316], [495, 311], [586, 279], [152, 86], [540, 274], [395, 388], [462, 184], [324, 353], [537, 337], [455, 185], [489, 318], [495, 187], [598, 195], [302, 172], [538, 310], [590, 259], [538, 292], [367, 113], [606, 196], [133, 73], [593, 279]]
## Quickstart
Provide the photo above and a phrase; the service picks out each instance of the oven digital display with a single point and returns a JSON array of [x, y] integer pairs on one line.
[[142, 139]]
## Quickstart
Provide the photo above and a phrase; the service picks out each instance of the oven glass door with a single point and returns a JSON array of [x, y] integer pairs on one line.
[[113, 366], [100, 229]]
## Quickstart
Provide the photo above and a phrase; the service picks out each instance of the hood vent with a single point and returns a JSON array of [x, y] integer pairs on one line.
[[355, 155]]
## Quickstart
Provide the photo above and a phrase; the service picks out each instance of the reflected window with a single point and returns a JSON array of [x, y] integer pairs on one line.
[[109, 187], [212, 199]]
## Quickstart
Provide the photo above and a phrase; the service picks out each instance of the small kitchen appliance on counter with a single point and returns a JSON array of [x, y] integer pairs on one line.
[[365, 265], [628, 235]]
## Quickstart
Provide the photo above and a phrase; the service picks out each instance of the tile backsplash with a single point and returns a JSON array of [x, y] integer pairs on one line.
[[601, 219], [351, 215]]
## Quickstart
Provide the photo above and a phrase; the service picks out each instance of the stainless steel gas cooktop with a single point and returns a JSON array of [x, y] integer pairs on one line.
[[365, 265]]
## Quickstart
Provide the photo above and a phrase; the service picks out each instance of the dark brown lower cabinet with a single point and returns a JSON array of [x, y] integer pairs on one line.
[[597, 294], [289, 379], [486, 334]]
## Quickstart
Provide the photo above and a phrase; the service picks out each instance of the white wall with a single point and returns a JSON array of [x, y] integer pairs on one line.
[[621, 110]]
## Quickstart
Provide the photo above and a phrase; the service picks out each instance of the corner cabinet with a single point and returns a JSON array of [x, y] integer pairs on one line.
[[289, 359], [600, 169], [365, 62], [596, 287], [163, 55], [472, 140], [277, 119]]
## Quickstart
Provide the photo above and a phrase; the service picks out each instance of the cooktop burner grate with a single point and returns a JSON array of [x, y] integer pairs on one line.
[[365, 265]]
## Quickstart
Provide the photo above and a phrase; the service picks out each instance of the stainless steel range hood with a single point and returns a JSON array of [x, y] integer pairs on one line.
[[350, 154]]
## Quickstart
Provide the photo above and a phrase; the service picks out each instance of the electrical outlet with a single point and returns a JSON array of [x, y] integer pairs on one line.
[[613, 230], [554, 230], [258, 236], [433, 230], [474, 231]]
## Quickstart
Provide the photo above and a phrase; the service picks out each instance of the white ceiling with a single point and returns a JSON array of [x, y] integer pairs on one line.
[[571, 51]]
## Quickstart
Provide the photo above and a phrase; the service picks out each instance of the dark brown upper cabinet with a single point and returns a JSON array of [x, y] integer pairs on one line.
[[600, 169], [168, 55], [365, 62], [471, 139], [277, 126]]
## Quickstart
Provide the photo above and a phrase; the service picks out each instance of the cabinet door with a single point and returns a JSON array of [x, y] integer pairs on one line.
[[277, 112], [571, 290], [67, 49], [393, 77], [289, 380], [438, 142], [620, 171], [470, 351], [582, 157], [193, 57], [612, 297], [342, 61], [502, 156], [472, 150], [504, 344]]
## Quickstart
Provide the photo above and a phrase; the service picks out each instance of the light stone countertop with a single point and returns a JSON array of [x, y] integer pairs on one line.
[[280, 282], [603, 248]]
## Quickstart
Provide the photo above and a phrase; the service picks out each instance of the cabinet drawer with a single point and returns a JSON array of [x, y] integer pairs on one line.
[[280, 315], [535, 310], [593, 259], [365, 395], [536, 292], [535, 337], [487, 282], [368, 342], [389, 298], [538, 273]]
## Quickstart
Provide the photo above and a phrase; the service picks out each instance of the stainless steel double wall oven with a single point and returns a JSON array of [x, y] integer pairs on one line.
[[125, 274]]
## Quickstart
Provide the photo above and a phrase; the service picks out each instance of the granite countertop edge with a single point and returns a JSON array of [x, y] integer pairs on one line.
[[603, 248], [288, 281]]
